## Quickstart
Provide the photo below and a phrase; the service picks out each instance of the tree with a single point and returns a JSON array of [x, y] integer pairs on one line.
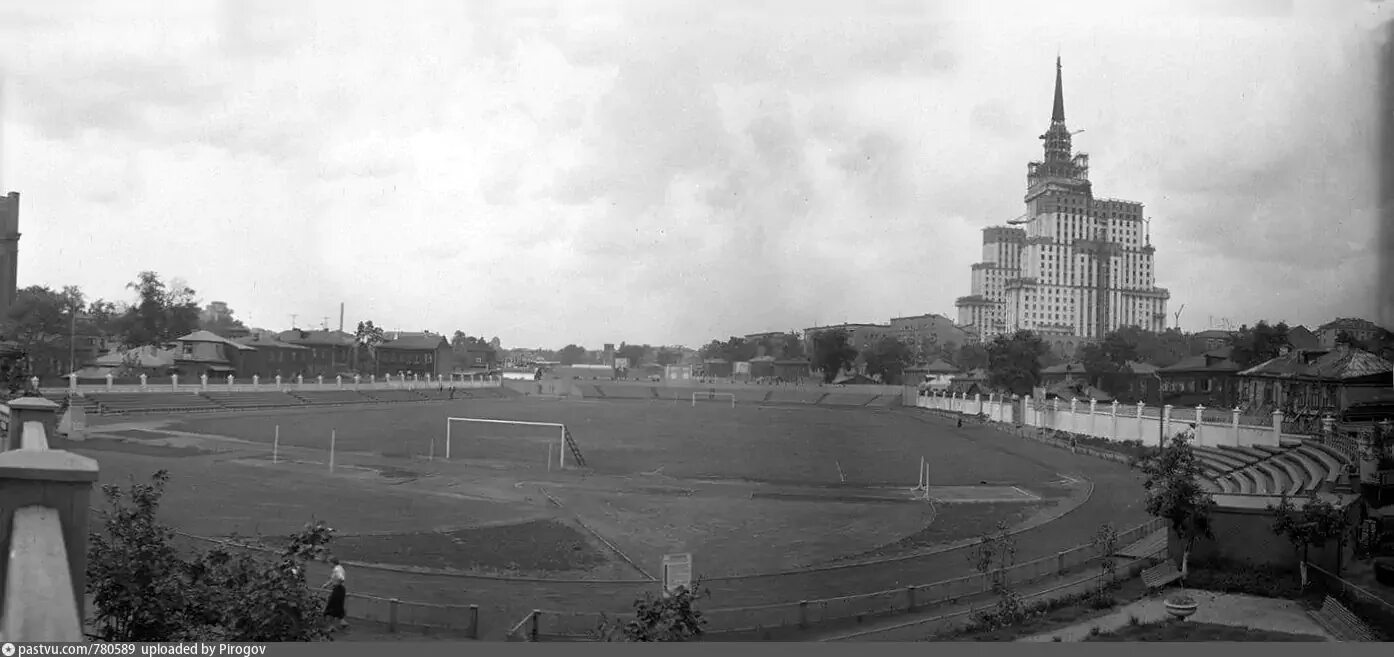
[[666, 356], [1258, 344], [571, 354], [888, 358], [672, 617], [1106, 542], [367, 337], [145, 591], [218, 319], [161, 314], [993, 558], [1014, 362], [832, 352], [42, 322], [971, 357], [636, 353], [1317, 522], [1172, 491]]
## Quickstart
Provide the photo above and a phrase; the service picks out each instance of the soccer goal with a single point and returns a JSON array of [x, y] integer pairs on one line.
[[565, 443], [713, 396]]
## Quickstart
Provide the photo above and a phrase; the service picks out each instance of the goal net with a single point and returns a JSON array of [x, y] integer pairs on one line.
[[714, 396], [512, 440]]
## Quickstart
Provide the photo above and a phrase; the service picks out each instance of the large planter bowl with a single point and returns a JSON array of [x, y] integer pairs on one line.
[[1181, 610]]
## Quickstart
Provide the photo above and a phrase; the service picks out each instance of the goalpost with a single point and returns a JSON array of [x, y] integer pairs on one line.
[[564, 441], [714, 395]]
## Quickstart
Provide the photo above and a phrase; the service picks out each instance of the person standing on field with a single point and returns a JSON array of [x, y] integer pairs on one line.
[[337, 592]]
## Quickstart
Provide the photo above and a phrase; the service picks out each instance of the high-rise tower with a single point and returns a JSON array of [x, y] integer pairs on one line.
[[1073, 267], [9, 251]]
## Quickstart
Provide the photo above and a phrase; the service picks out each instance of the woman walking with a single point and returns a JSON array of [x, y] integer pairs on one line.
[[337, 593]]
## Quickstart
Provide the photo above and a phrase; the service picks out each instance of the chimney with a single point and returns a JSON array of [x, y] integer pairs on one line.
[[341, 317]]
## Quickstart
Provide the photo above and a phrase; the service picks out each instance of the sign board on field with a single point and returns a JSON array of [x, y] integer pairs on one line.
[[677, 571]]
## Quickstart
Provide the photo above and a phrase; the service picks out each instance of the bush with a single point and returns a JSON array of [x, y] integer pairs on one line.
[[669, 618], [1233, 577], [145, 591]]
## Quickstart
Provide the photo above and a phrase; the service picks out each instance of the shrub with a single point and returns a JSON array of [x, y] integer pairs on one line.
[[1232, 577], [145, 591], [673, 617]]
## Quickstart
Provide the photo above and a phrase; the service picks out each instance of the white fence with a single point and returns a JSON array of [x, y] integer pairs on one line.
[[206, 384], [1114, 421]]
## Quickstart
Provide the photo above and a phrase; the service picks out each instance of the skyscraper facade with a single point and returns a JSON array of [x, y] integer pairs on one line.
[[1074, 266]]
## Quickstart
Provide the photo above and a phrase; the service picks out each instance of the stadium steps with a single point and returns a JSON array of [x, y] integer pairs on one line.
[[393, 396], [1227, 484], [253, 400], [330, 397], [1331, 467], [1275, 481], [1249, 454], [1248, 482], [1310, 466], [1296, 476], [132, 403], [1221, 458]]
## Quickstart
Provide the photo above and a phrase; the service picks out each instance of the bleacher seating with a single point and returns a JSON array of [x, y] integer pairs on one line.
[[116, 403], [331, 397], [884, 401], [254, 400], [846, 399], [1331, 466], [393, 395]]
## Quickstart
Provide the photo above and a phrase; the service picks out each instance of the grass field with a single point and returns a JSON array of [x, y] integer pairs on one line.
[[746, 490]]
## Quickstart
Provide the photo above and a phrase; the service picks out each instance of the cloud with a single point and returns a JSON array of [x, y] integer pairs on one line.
[[664, 172]]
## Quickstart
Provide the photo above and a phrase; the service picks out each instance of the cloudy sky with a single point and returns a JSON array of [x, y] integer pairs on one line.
[[668, 172]]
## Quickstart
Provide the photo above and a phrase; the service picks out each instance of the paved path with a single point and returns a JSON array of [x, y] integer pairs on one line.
[[1218, 608]]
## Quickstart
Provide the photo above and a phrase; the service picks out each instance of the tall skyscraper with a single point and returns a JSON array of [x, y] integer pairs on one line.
[[1074, 266]]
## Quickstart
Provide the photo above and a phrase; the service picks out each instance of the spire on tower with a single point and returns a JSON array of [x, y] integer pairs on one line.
[[1057, 114]]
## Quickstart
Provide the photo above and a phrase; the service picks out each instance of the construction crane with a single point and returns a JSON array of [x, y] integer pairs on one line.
[[1178, 315]]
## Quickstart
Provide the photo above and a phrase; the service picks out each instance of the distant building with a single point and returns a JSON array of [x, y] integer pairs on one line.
[[331, 352], [419, 354], [928, 332], [859, 336], [1073, 267], [1362, 330], [1212, 339], [1307, 384], [1211, 379], [271, 357], [1300, 337]]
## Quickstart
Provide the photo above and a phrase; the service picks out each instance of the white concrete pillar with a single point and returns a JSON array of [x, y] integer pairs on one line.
[[143, 380], [1200, 425], [203, 381]]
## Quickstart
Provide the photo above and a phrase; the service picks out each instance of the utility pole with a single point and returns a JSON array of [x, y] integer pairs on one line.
[[72, 338]]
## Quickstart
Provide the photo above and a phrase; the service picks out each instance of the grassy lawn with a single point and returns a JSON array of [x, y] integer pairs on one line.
[[1055, 614], [1175, 630]]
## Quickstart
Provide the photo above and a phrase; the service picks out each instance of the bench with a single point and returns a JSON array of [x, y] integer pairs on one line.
[[1341, 623], [1160, 575]]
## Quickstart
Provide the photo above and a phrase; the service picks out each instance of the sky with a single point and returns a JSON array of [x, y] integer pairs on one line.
[[671, 172]]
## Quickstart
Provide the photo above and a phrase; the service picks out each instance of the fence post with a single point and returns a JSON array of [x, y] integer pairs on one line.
[[803, 614], [1278, 428], [1060, 563], [474, 622], [1166, 421], [910, 595], [1074, 420], [56, 479], [1093, 418], [1234, 425], [1200, 423], [1140, 436], [533, 623], [392, 614]]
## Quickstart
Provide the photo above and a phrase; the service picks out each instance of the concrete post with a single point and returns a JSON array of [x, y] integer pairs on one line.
[[319, 380], [1278, 427], [143, 380], [1166, 423], [30, 409], [278, 382], [1140, 407], [174, 382], [339, 381], [1113, 431], [203, 381], [1093, 417], [230, 380], [72, 383], [1074, 423], [110, 382], [1234, 427], [53, 479], [299, 381], [256, 381]]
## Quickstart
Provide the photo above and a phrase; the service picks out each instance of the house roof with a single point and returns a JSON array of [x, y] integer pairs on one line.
[[1302, 338], [148, 357], [1215, 334], [416, 342], [257, 342], [941, 366], [1065, 368], [1349, 323], [1210, 362], [211, 337], [1338, 364], [1142, 368], [316, 338]]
